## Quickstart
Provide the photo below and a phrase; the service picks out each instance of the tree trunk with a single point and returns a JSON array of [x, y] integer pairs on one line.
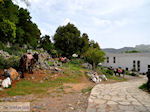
[[94, 66]]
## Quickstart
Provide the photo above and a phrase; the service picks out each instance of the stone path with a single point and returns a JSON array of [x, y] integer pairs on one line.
[[119, 97]]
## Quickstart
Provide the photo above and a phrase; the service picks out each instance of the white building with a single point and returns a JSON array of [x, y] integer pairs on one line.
[[128, 61]]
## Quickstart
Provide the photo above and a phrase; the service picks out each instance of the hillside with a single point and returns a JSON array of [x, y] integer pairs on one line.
[[140, 48]]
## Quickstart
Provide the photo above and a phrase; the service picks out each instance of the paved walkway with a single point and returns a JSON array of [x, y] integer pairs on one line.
[[119, 97]]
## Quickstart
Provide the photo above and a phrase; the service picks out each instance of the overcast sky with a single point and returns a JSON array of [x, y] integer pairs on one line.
[[112, 23]]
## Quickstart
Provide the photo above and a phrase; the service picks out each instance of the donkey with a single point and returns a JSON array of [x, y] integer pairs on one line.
[[119, 71], [26, 64]]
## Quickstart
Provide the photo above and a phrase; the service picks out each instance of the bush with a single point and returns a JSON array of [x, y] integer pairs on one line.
[[7, 63], [2, 46], [133, 74], [76, 61], [110, 72], [94, 56], [106, 71], [15, 50], [143, 87]]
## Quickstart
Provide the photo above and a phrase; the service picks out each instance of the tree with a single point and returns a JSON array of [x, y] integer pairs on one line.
[[16, 25], [94, 44], [27, 31], [84, 43], [66, 40], [94, 56], [46, 43], [7, 31]]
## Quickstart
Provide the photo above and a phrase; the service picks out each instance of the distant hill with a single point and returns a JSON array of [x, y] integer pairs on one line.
[[140, 48]]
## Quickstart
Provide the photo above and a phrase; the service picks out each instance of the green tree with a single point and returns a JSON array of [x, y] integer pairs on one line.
[[66, 40], [46, 43], [94, 44], [16, 25], [27, 31], [7, 31], [94, 56], [8, 11], [84, 43]]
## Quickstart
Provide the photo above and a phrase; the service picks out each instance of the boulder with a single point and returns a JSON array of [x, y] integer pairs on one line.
[[103, 77], [94, 77], [87, 66], [13, 73], [74, 55], [6, 82], [4, 54]]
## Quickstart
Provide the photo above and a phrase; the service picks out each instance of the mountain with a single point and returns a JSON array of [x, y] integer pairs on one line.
[[140, 48]]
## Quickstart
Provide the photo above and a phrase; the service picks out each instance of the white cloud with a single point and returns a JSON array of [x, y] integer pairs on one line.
[[67, 20], [101, 22], [121, 22]]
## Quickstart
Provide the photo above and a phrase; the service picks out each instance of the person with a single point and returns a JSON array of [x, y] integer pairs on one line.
[[148, 82]]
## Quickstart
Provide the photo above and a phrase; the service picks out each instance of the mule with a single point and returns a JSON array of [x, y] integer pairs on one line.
[[26, 64], [119, 71]]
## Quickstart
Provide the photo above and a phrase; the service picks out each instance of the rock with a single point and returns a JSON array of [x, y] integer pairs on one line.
[[32, 78], [87, 66], [74, 55], [13, 73], [56, 64], [57, 69], [41, 81], [103, 77], [4, 54], [94, 77], [6, 82], [1, 89]]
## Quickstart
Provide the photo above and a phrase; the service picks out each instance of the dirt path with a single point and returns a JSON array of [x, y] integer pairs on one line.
[[119, 97]]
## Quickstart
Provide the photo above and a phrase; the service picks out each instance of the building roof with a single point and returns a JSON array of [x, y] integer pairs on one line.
[[129, 54]]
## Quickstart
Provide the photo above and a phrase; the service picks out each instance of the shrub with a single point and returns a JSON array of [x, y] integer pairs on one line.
[[15, 50], [106, 71], [143, 87], [7, 63], [132, 74], [76, 61], [2, 46], [94, 56], [110, 72]]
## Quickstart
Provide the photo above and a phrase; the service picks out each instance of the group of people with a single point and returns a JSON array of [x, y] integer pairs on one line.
[[117, 71]]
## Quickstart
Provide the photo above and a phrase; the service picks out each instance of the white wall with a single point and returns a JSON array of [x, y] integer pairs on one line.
[[126, 61]]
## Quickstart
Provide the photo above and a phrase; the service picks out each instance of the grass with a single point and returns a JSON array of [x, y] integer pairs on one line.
[[143, 87], [116, 78], [72, 74], [109, 74], [88, 89]]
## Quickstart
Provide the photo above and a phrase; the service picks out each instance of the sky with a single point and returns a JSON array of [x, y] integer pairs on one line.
[[111, 23]]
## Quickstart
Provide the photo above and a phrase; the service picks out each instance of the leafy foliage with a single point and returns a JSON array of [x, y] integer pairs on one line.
[[94, 56], [46, 43], [133, 51], [16, 25], [66, 40], [7, 63]]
